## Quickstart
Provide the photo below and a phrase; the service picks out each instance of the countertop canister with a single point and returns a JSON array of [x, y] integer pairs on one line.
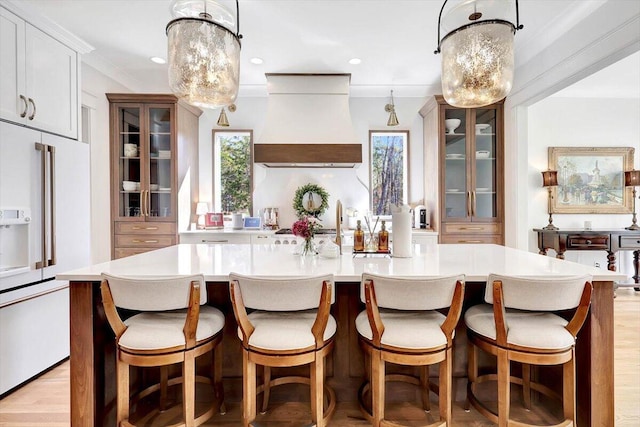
[[401, 218]]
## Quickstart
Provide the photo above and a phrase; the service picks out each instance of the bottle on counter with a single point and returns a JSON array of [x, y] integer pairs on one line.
[[358, 238], [383, 239]]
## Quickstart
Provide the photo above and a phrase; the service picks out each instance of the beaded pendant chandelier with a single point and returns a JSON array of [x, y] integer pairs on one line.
[[477, 52], [204, 53]]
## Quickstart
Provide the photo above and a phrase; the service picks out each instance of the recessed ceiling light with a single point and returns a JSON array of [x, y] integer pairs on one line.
[[256, 61], [355, 61], [158, 60]]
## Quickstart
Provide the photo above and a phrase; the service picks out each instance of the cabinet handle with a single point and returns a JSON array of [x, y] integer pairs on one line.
[[473, 203], [468, 203], [262, 237], [33, 114], [142, 202], [148, 201], [470, 228], [144, 228], [145, 241], [26, 106], [215, 241], [469, 241]]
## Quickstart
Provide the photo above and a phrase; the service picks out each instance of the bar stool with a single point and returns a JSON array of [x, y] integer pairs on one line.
[[291, 325], [401, 325], [173, 327], [517, 324]]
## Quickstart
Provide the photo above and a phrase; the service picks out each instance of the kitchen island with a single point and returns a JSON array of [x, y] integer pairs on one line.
[[92, 347]]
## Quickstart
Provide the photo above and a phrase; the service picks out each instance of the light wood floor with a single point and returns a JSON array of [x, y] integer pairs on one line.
[[45, 401]]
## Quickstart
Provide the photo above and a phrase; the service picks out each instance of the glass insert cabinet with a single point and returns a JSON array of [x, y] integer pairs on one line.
[[471, 174], [143, 172]]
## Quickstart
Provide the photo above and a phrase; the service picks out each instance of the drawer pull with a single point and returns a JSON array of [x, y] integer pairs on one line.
[[469, 241], [144, 228], [470, 228], [262, 237], [145, 241], [215, 241], [588, 242]]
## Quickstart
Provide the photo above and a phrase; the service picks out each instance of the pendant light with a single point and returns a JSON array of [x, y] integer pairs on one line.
[[204, 53], [391, 109], [477, 52]]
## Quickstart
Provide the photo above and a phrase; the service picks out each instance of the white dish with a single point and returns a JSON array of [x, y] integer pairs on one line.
[[129, 185], [482, 154], [165, 188], [482, 189], [455, 156], [164, 154], [453, 190], [481, 126], [451, 125]]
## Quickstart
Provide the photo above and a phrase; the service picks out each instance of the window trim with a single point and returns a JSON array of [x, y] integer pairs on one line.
[[406, 161], [217, 204]]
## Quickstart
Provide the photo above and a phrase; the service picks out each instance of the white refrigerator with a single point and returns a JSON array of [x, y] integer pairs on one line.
[[44, 230]]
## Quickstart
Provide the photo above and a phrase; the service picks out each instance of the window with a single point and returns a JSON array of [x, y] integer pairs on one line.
[[389, 179], [233, 170]]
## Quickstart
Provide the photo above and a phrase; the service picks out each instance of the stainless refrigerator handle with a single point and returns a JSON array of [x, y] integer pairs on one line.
[[43, 207], [26, 106], [52, 205]]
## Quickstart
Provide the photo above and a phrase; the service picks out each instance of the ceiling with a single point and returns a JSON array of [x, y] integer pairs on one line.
[[394, 39]]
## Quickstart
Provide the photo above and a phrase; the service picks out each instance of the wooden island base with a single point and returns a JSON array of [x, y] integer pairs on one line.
[[93, 364]]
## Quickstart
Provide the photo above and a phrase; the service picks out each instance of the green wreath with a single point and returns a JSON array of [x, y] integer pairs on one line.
[[298, 204]]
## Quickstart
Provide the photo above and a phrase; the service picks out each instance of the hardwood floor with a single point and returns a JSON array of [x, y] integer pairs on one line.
[[45, 401]]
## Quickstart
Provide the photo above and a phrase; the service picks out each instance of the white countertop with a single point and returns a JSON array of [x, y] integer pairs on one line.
[[272, 232], [217, 261]]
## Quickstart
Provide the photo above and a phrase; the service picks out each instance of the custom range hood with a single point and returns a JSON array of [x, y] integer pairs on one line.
[[308, 123]]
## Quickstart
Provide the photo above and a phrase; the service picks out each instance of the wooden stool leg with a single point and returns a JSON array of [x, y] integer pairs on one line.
[[504, 388], [248, 389], [377, 387], [316, 385], [424, 387], [217, 377], [445, 387], [526, 385], [472, 369], [189, 388], [164, 380], [266, 380], [122, 370], [568, 388]]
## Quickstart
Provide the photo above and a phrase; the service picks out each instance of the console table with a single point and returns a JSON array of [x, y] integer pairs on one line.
[[611, 241]]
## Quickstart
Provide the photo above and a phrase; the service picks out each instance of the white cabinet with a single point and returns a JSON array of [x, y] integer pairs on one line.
[[38, 78], [214, 237]]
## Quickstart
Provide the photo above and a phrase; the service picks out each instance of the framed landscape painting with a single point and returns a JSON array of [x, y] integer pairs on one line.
[[591, 179]]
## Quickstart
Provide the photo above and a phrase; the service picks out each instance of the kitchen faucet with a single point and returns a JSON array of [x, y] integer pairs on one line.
[[339, 225]]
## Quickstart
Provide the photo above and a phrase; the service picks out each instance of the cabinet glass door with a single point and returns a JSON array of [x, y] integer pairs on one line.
[[160, 164], [130, 165], [484, 195], [455, 164]]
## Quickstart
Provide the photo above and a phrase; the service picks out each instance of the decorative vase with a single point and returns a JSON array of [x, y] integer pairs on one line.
[[309, 247]]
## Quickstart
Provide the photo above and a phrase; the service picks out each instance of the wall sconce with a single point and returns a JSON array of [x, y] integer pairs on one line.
[[222, 118], [632, 179], [477, 52], [391, 109], [549, 180], [204, 53], [202, 208]]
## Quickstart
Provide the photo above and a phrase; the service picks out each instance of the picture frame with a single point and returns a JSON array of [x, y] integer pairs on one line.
[[591, 180]]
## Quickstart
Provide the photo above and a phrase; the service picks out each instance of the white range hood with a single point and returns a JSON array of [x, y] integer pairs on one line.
[[308, 123]]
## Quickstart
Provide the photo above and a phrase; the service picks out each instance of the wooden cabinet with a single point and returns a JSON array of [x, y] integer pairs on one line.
[[144, 171], [471, 173], [38, 78]]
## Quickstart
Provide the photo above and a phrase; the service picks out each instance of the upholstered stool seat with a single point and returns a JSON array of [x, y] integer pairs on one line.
[[165, 333], [401, 325], [535, 330], [290, 325], [400, 329], [286, 331], [519, 324]]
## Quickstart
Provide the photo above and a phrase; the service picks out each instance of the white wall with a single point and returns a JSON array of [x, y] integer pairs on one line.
[[278, 191], [95, 85], [578, 122]]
